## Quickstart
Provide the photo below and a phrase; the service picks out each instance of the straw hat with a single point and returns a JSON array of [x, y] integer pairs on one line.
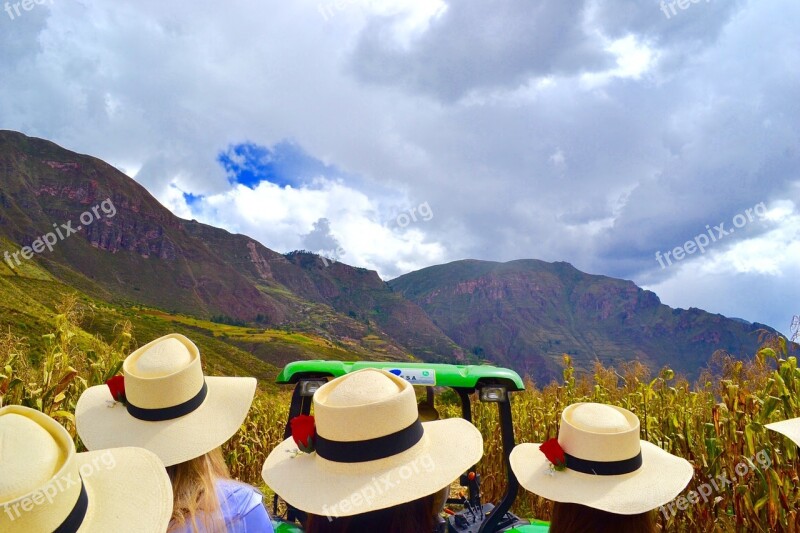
[[372, 452], [45, 486], [171, 408], [789, 428], [607, 466]]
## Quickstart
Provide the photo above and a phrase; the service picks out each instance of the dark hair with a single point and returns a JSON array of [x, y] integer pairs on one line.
[[577, 518], [417, 516]]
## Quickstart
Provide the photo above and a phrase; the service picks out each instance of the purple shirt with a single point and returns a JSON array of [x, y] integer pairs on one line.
[[242, 507]]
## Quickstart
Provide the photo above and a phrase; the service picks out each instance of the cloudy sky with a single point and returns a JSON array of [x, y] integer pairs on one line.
[[397, 134]]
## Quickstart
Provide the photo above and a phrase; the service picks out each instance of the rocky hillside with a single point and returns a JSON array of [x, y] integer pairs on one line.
[[526, 313], [131, 258], [138, 252]]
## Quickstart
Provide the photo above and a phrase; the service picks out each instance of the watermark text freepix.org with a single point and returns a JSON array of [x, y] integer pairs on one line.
[[48, 493], [380, 485], [715, 485], [59, 233], [331, 255], [667, 7], [13, 8], [401, 220], [703, 240], [425, 214]]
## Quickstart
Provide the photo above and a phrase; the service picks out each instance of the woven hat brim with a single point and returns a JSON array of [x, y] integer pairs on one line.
[[789, 428], [133, 494], [660, 479], [102, 424], [326, 488]]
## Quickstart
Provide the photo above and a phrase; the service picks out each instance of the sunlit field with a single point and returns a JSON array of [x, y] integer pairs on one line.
[[747, 475]]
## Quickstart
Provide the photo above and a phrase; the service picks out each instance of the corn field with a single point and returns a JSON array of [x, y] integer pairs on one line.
[[717, 424]]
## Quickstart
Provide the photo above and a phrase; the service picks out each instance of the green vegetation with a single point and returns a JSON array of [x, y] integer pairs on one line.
[[30, 299], [524, 314], [224, 319], [717, 424]]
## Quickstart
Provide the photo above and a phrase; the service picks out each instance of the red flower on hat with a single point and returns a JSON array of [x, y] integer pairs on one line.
[[554, 453], [304, 432], [117, 387]]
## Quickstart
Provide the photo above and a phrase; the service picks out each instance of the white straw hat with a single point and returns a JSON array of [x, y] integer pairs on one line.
[[790, 428], [46, 487], [607, 466], [372, 452], [171, 408]]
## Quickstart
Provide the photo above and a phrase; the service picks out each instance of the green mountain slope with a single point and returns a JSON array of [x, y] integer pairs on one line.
[[255, 309], [133, 251]]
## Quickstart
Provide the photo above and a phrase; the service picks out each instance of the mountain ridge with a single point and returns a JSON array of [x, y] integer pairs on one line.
[[523, 313], [147, 255], [526, 313]]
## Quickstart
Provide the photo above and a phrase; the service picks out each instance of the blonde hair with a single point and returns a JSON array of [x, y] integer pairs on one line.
[[195, 497]]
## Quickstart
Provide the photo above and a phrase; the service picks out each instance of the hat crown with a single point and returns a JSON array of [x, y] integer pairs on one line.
[[363, 405], [29, 456], [162, 359], [163, 373], [46, 451], [599, 418], [599, 432], [363, 388]]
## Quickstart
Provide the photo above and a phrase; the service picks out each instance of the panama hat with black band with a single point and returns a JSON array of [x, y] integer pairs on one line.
[[165, 404], [46, 487], [599, 460], [788, 428], [369, 450]]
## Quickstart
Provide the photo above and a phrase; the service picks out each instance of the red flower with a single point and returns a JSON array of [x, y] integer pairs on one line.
[[117, 387], [303, 432], [554, 453]]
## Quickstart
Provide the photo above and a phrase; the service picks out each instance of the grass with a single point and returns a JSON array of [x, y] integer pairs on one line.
[[717, 424]]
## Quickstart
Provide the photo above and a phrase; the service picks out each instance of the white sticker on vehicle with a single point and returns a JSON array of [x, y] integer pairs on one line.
[[416, 376]]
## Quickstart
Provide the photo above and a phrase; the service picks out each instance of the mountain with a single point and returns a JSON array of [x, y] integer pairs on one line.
[[357, 295], [137, 252], [526, 313], [102, 236]]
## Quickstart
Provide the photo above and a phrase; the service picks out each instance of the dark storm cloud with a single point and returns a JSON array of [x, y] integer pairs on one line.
[[595, 132], [665, 23], [503, 44], [482, 45], [320, 239]]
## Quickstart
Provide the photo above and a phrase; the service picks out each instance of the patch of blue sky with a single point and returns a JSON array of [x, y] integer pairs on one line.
[[284, 164], [192, 199]]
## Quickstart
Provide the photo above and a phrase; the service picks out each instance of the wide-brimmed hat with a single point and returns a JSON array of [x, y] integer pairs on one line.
[[371, 450], [45, 486], [607, 466], [170, 407], [790, 428]]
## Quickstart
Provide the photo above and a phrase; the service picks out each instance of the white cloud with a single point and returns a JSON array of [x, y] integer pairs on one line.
[[769, 263], [633, 60], [592, 132], [558, 158], [283, 216]]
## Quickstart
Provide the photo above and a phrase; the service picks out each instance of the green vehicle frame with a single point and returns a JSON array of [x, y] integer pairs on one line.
[[493, 385]]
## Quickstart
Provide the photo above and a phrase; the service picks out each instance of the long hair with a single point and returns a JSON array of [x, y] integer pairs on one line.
[[195, 497], [417, 516], [577, 518]]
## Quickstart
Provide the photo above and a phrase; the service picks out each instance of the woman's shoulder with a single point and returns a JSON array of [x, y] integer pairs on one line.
[[239, 497], [243, 507]]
